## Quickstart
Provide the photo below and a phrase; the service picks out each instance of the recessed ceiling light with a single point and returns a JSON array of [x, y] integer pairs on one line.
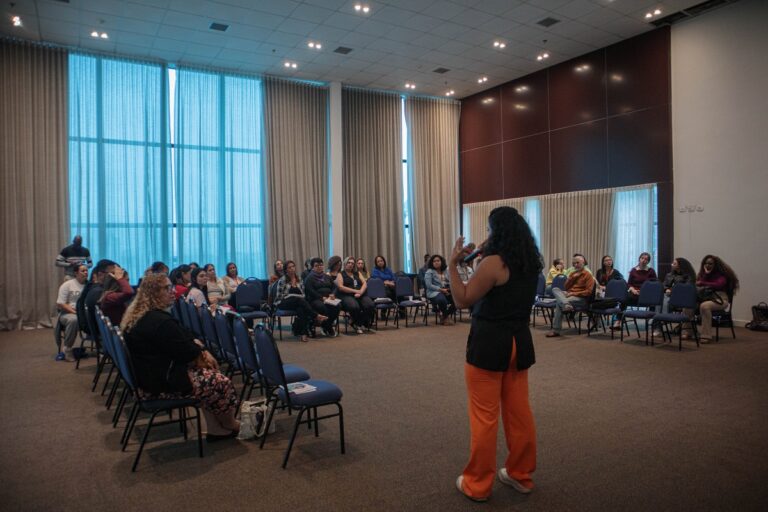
[[450, 93], [499, 44], [482, 79], [542, 56], [16, 21], [657, 12], [583, 68], [98, 35], [521, 88], [104, 35], [290, 65], [409, 85], [94, 34], [487, 100], [365, 9], [314, 45], [650, 14]]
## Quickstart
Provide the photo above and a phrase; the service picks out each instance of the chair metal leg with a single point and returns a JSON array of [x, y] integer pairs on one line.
[[341, 426], [143, 441], [269, 420], [120, 407], [113, 391], [317, 429], [293, 436], [109, 377], [128, 430], [199, 432]]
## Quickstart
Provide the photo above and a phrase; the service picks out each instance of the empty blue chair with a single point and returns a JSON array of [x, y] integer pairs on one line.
[[248, 297], [210, 337], [403, 290], [193, 315], [324, 393], [683, 296], [616, 290], [651, 296], [546, 305], [228, 348], [378, 293], [277, 312]]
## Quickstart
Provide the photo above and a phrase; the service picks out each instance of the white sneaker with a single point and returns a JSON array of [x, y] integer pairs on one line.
[[460, 487], [68, 356], [508, 480]]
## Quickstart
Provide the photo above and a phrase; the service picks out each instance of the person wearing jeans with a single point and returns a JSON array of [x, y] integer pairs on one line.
[[579, 286]]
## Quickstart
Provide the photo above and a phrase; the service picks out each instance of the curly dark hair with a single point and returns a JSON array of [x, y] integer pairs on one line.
[[443, 264], [685, 268], [510, 237], [724, 269]]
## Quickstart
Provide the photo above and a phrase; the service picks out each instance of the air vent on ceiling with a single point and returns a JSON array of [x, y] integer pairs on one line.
[[440, 70], [342, 50], [690, 12], [219, 26], [63, 1], [547, 22]]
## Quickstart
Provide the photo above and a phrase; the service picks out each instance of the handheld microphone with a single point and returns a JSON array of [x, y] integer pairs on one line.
[[471, 256]]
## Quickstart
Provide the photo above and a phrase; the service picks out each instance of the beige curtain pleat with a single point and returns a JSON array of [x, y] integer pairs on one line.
[[433, 127], [33, 181], [372, 176], [296, 158], [477, 214]]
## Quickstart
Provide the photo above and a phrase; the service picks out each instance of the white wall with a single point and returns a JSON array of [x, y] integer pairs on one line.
[[720, 143]]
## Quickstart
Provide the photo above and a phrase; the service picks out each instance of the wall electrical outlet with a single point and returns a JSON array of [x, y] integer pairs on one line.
[[699, 208]]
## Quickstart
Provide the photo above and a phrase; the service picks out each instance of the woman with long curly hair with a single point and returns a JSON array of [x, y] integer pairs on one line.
[[499, 352], [716, 283], [170, 362]]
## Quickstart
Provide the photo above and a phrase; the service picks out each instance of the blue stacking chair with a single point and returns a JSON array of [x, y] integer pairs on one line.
[[248, 297], [378, 294], [651, 296], [683, 296], [227, 341], [278, 313], [615, 289], [152, 407], [547, 304], [183, 313], [193, 315], [250, 362], [324, 394], [403, 289], [209, 335], [723, 319]]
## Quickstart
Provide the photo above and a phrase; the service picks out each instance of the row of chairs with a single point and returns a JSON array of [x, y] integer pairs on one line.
[[648, 309], [254, 356]]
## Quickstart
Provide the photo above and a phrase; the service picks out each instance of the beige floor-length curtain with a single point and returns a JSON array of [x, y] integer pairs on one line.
[[33, 181], [296, 159], [433, 127], [372, 176], [476, 217]]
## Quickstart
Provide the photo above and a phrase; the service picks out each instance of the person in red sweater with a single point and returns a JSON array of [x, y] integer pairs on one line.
[[579, 287], [117, 292], [721, 281]]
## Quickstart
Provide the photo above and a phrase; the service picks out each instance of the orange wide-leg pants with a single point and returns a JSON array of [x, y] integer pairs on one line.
[[488, 392]]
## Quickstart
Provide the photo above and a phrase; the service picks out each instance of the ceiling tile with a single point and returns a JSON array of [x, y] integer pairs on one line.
[[444, 10], [526, 13], [311, 13], [344, 21]]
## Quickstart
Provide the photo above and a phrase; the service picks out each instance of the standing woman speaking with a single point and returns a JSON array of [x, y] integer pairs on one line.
[[499, 352]]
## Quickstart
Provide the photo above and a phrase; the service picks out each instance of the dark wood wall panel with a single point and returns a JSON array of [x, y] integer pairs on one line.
[[481, 176], [524, 106], [577, 90], [638, 73], [639, 147], [526, 166], [480, 120], [579, 157]]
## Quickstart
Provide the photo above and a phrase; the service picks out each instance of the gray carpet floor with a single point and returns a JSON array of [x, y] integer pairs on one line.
[[620, 427]]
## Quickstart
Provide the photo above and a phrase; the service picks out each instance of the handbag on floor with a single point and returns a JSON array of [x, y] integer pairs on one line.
[[253, 419], [759, 318]]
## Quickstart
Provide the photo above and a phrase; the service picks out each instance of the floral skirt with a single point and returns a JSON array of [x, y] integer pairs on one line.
[[214, 390]]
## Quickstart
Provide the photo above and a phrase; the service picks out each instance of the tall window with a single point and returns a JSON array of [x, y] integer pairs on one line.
[[165, 164], [407, 240], [533, 218], [634, 226]]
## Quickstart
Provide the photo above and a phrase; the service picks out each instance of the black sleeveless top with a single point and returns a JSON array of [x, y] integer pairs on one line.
[[352, 281], [499, 317]]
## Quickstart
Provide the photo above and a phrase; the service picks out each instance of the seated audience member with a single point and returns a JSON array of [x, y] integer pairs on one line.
[[169, 361], [422, 272], [579, 287], [350, 288], [158, 267], [193, 266], [277, 272], [181, 277], [66, 302], [557, 269], [682, 272], [117, 292], [716, 284], [572, 269], [92, 297], [72, 256], [217, 292], [290, 295], [307, 268], [383, 272], [198, 289], [362, 269], [605, 273], [438, 286], [639, 275], [232, 280], [465, 269], [319, 291]]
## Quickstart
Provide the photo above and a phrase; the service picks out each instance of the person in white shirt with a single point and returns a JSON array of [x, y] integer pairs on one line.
[[66, 303]]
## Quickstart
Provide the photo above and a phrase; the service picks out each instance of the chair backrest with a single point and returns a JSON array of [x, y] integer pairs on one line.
[[541, 286], [269, 358], [224, 335], [683, 296], [194, 318], [175, 312], [245, 345], [248, 293], [102, 326], [403, 287], [90, 318], [559, 282], [616, 289], [183, 312], [122, 359], [209, 332], [272, 292], [375, 289], [651, 294]]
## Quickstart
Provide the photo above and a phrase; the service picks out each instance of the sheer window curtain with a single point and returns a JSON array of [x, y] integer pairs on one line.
[[433, 129], [219, 193], [634, 225], [296, 162], [372, 175], [33, 181], [118, 179]]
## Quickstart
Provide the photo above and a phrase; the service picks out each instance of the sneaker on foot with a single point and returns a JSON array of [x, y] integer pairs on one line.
[[60, 356], [508, 480], [330, 332], [460, 487]]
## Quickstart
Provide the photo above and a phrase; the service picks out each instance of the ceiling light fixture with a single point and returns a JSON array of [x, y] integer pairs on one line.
[[650, 14], [488, 100], [482, 79], [365, 9], [409, 85], [97, 35], [450, 93], [290, 65], [16, 21], [499, 44], [316, 46], [542, 56], [521, 88]]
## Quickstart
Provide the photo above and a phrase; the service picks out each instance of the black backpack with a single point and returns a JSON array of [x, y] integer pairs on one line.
[[759, 318]]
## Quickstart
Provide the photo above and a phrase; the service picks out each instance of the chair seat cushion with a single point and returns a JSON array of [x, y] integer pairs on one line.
[[608, 311], [285, 312], [410, 303], [254, 314], [326, 393], [295, 373], [545, 303], [638, 313], [672, 317]]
